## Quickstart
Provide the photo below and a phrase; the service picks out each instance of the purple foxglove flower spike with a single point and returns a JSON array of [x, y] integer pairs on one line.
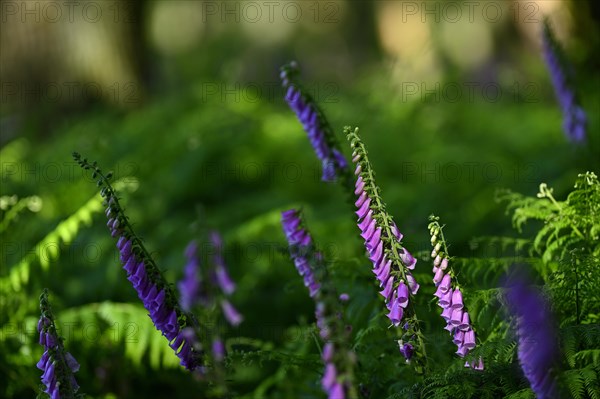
[[536, 334], [338, 360], [451, 300], [392, 262], [142, 272], [56, 363], [320, 133], [575, 120]]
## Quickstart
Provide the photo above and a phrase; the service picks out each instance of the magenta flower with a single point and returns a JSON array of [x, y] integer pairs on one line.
[[392, 263], [450, 299]]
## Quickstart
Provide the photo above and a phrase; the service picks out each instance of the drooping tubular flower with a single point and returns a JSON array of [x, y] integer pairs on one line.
[[57, 364], [574, 117], [315, 124], [450, 296], [337, 356], [536, 335], [156, 294], [200, 289], [208, 284], [392, 263]]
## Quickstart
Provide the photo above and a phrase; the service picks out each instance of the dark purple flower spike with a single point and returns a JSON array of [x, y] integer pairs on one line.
[[57, 365], [574, 117], [536, 336], [339, 359], [315, 124], [157, 296]]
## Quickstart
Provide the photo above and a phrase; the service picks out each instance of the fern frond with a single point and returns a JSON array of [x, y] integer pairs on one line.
[[47, 250]]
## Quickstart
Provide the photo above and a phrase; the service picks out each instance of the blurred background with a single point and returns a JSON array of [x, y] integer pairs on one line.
[[182, 100]]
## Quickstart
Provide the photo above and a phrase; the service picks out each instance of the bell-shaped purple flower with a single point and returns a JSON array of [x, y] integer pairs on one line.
[[329, 377], [446, 299], [407, 350], [439, 275], [402, 295], [412, 283], [457, 300], [465, 324], [456, 318], [389, 286], [396, 313], [445, 285], [469, 341], [336, 392], [231, 314]]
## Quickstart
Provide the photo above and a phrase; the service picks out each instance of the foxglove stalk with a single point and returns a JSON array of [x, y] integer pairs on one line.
[[203, 287], [450, 296], [339, 360], [57, 364], [156, 294], [574, 117], [200, 288], [313, 120], [537, 340], [206, 290], [392, 263]]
